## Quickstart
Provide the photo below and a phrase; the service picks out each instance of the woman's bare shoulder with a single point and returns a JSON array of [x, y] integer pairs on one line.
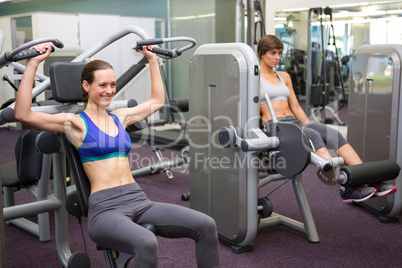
[[284, 74], [75, 129]]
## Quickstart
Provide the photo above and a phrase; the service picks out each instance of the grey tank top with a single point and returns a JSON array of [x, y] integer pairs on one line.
[[274, 91]]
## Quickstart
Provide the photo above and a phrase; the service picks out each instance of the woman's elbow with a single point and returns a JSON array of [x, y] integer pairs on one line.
[[21, 116], [18, 115], [158, 105]]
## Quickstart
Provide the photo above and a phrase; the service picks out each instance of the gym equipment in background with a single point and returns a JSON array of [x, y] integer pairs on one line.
[[232, 158], [374, 115]]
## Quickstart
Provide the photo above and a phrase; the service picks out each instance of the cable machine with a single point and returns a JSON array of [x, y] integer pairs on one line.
[[250, 28], [323, 68]]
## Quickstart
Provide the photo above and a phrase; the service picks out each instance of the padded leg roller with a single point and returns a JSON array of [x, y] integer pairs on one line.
[[371, 172]]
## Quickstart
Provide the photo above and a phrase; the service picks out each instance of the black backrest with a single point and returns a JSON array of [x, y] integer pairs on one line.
[[78, 174], [65, 81]]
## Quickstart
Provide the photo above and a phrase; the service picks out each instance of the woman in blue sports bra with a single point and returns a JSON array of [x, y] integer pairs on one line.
[[117, 205], [279, 88]]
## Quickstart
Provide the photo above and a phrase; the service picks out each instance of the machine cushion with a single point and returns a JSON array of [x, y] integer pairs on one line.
[[79, 176], [65, 81], [48, 142], [371, 172]]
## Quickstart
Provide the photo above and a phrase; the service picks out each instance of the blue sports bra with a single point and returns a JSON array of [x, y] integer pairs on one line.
[[98, 145], [274, 91]]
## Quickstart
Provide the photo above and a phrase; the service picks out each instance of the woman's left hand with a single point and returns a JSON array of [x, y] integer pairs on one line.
[[147, 52]]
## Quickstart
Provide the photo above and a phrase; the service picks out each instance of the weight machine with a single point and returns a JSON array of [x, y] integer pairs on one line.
[[229, 151], [321, 72], [375, 116]]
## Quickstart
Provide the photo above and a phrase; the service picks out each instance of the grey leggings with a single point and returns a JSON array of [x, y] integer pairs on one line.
[[115, 214], [319, 134]]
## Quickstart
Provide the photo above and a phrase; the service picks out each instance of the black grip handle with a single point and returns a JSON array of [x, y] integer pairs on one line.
[[57, 43], [148, 42], [168, 53], [26, 54], [162, 51]]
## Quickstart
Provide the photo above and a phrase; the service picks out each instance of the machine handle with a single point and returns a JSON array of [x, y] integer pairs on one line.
[[149, 42], [24, 51], [27, 54], [167, 53], [271, 108]]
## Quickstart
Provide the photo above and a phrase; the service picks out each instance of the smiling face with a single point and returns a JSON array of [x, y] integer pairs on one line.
[[103, 87]]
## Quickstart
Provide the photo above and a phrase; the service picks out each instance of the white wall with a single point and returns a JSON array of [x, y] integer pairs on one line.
[[94, 29], [57, 25]]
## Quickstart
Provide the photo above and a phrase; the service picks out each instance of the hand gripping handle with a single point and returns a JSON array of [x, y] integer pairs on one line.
[[166, 53]]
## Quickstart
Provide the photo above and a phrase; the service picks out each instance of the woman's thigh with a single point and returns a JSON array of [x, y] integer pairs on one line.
[[176, 221]]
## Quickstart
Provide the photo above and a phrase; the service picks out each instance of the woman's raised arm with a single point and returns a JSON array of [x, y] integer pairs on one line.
[[23, 103], [157, 100]]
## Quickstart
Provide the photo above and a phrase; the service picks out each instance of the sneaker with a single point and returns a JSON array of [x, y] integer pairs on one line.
[[384, 189], [357, 194]]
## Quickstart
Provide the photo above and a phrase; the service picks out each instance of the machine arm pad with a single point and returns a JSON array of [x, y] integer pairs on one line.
[[370, 172]]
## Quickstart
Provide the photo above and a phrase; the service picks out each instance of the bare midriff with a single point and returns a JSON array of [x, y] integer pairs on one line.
[[281, 108], [108, 173]]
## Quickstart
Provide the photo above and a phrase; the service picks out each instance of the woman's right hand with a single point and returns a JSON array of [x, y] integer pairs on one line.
[[44, 50]]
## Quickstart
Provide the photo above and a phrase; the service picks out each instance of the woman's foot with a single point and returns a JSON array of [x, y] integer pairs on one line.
[[356, 194], [383, 189]]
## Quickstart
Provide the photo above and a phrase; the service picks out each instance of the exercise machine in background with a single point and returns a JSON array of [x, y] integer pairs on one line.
[[324, 84], [374, 115], [250, 23], [232, 158]]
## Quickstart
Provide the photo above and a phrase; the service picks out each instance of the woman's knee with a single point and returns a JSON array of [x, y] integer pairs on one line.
[[207, 222], [146, 252], [207, 226], [323, 153], [332, 137], [147, 245], [315, 138]]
